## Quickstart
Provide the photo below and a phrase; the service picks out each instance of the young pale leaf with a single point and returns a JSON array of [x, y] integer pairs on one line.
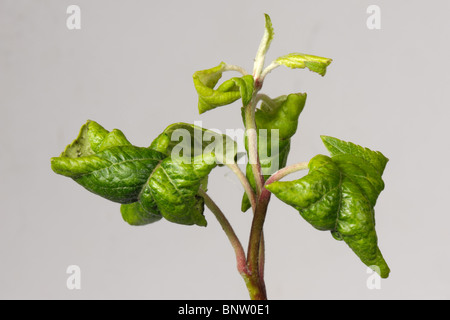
[[281, 115], [148, 183], [228, 92], [301, 61], [263, 46], [339, 194]]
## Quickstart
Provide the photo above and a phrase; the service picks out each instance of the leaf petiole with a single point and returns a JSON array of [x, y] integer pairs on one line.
[[232, 67], [241, 261], [245, 183], [280, 174], [267, 70]]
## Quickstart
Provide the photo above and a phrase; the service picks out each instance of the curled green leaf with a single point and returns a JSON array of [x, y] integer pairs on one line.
[[106, 164], [148, 183], [228, 92], [339, 195], [173, 188]]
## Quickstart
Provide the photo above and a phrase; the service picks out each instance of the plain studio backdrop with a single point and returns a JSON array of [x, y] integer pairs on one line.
[[130, 67]]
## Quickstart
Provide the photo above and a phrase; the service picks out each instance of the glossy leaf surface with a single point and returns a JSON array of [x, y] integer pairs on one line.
[[339, 194], [147, 182]]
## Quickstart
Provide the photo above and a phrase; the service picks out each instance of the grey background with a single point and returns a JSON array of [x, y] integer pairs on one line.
[[131, 66]]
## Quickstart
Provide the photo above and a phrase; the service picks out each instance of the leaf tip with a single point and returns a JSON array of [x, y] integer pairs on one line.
[[328, 61], [202, 223], [381, 268], [269, 27], [268, 22], [325, 139], [53, 165]]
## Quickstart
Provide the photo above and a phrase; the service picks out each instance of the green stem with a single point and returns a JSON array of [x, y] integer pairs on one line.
[[254, 254], [255, 286], [256, 231], [255, 289], [261, 263], [252, 140]]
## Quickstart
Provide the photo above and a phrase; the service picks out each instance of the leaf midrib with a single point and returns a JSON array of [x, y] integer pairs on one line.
[[115, 164]]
